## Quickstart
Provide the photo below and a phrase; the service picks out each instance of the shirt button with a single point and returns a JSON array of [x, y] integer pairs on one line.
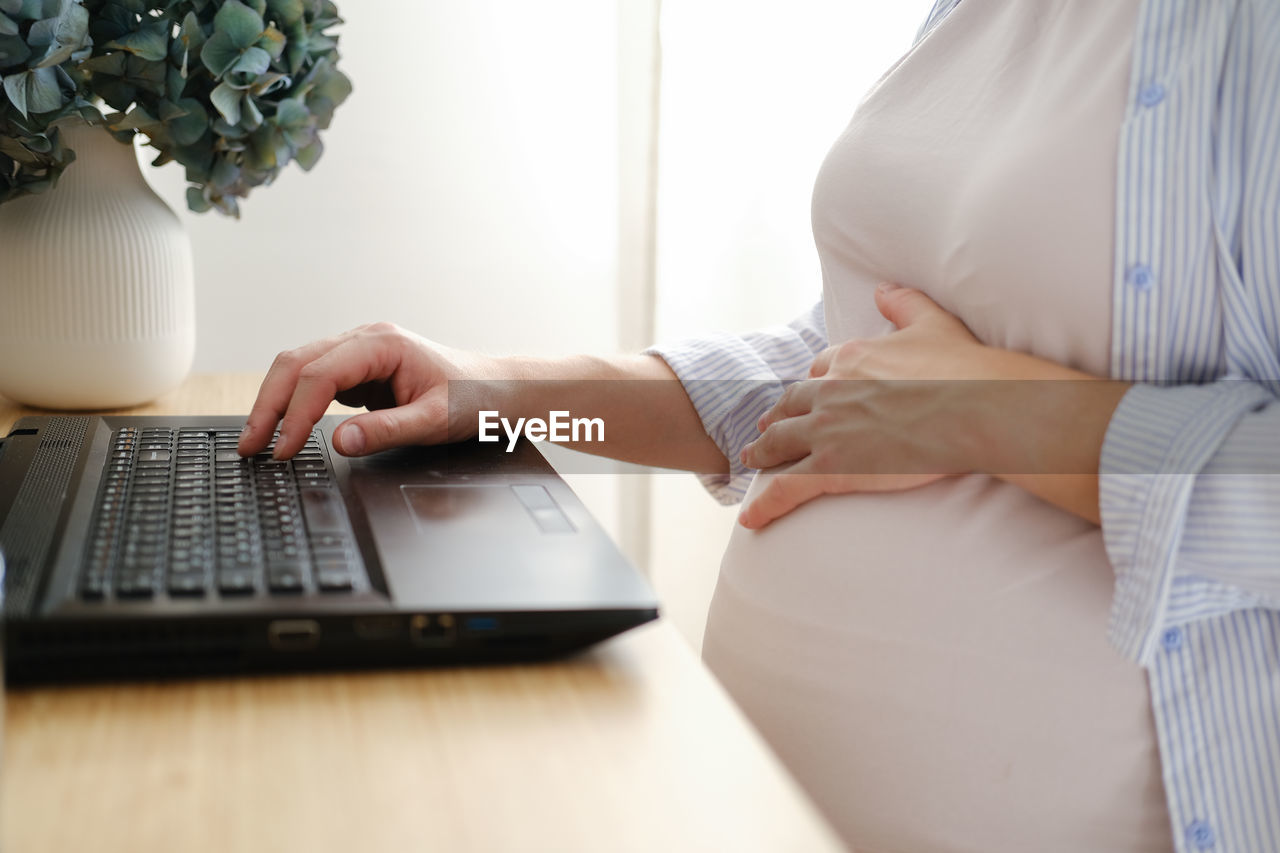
[[1200, 835], [1151, 94], [1140, 277], [1172, 639]]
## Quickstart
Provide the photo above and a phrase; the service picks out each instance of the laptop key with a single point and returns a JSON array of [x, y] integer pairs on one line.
[[188, 585], [135, 588], [328, 540], [322, 510], [284, 581], [93, 588], [235, 583], [333, 581]]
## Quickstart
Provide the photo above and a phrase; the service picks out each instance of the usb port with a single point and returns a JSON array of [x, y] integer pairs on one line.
[[480, 624]]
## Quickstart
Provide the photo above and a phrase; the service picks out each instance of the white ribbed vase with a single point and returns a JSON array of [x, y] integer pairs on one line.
[[97, 290]]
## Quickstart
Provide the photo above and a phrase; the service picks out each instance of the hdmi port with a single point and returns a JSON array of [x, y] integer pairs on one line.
[[293, 635]]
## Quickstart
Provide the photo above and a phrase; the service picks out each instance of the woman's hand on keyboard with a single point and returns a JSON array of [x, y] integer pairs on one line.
[[403, 378]]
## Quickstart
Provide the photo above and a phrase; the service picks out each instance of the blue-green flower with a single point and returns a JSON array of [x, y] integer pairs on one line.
[[233, 90]]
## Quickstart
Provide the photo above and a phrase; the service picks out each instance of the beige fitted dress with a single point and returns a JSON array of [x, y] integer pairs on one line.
[[933, 664]]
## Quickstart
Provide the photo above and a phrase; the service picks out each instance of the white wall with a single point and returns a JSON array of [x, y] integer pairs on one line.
[[468, 191]]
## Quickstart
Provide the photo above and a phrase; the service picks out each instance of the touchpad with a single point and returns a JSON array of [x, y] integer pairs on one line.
[[485, 509]]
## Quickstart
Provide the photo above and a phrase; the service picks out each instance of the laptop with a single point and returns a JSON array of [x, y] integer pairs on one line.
[[145, 546]]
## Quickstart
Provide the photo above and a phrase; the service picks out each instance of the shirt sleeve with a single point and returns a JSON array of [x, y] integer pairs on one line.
[[734, 379], [1190, 500], [1189, 488], [941, 8]]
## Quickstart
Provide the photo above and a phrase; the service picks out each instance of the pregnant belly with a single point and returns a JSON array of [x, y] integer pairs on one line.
[[933, 667]]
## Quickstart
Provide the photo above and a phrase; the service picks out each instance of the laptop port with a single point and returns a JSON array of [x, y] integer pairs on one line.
[[378, 627], [293, 635], [432, 631]]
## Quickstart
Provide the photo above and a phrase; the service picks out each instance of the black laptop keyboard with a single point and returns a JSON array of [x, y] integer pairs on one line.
[[180, 513]]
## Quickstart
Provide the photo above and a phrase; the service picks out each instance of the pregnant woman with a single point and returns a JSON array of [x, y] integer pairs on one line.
[[973, 614]]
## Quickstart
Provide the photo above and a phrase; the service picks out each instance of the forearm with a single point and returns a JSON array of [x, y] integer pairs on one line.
[[648, 418], [1044, 430]]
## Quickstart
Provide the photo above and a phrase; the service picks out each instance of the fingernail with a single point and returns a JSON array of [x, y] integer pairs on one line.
[[352, 440], [888, 287], [277, 452]]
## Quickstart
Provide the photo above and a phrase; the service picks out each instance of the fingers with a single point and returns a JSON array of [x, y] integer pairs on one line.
[[370, 395], [783, 442], [796, 400], [785, 491], [800, 484], [423, 421], [352, 362], [822, 363], [379, 366], [905, 306], [275, 393]]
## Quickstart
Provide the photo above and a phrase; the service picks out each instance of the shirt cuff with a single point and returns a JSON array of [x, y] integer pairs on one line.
[[730, 386], [1158, 440]]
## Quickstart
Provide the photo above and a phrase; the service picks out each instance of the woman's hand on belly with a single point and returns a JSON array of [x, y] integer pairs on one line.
[[889, 414]]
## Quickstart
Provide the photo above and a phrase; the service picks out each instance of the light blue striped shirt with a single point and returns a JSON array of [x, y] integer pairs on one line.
[[1190, 471]]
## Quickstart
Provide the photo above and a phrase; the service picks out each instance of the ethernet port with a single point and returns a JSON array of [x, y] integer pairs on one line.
[[432, 631]]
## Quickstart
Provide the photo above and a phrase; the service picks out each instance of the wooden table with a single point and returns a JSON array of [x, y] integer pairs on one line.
[[630, 746]]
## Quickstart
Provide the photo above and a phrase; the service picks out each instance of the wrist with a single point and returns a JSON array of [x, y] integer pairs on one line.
[[501, 384], [520, 386], [977, 437], [1030, 427]]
